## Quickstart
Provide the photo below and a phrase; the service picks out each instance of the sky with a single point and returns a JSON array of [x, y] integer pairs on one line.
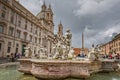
[[97, 19]]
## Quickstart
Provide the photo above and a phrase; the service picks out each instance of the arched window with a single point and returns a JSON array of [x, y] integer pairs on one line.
[[1, 28]]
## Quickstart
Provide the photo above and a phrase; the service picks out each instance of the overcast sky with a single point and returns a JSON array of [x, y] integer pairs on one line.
[[98, 19]]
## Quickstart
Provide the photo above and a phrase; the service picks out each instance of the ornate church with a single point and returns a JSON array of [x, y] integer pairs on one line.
[[19, 28]]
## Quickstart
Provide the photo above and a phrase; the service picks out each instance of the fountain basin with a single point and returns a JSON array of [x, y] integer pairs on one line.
[[58, 69], [25, 66]]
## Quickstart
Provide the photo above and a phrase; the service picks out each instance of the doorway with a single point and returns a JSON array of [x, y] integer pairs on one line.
[[23, 50], [1, 49]]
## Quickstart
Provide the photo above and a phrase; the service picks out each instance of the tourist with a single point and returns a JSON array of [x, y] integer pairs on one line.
[[117, 56], [12, 57], [8, 58], [110, 56]]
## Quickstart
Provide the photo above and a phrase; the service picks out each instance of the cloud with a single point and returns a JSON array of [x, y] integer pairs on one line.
[[98, 19], [33, 6], [92, 7]]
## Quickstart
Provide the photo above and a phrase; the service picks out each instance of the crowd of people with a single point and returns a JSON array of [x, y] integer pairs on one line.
[[104, 56], [13, 57], [111, 56]]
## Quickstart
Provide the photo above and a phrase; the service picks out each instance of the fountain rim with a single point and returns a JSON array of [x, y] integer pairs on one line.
[[54, 61]]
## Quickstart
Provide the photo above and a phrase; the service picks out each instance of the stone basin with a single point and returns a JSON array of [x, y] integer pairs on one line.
[[58, 69], [25, 66]]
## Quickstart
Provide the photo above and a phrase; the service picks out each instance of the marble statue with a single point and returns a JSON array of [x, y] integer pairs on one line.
[[58, 49], [43, 53], [68, 37], [28, 52], [62, 49], [92, 55], [71, 54]]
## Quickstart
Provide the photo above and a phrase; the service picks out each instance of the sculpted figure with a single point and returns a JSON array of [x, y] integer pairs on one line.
[[68, 37], [62, 49], [43, 53], [58, 51], [92, 55], [71, 53], [28, 52]]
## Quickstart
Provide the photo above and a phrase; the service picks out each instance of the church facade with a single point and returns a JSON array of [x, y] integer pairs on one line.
[[20, 28]]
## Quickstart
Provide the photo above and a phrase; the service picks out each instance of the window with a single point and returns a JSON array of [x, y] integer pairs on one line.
[[19, 20], [19, 23], [25, 36], [12, 17], [39, 40], [0, 46], [17, 46], [35, 40], [11, 30], [18, 33], [1, 29], [26, 21], [31, 27], [40, 34], [3, 14], [26, 26], [30, 38], [9, 47], [5, 0], [36, 31]]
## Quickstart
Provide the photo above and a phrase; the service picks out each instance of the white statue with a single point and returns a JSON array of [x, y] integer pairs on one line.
[[71, 53], [28, 52], [68, 37], [92, 55], [62, 49], [43, 53], [58, 51]]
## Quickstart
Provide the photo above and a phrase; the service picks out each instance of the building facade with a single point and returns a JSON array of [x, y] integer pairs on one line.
[[112, 46], [80, 50], [20, 28]]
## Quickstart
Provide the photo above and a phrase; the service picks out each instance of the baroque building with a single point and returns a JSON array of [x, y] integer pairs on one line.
[[20, 28], [112, 46]]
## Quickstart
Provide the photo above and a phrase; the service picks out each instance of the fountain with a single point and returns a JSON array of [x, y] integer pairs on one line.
[[63, 64]]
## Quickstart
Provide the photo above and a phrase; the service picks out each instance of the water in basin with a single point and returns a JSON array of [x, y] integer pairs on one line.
[[11, 73]]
